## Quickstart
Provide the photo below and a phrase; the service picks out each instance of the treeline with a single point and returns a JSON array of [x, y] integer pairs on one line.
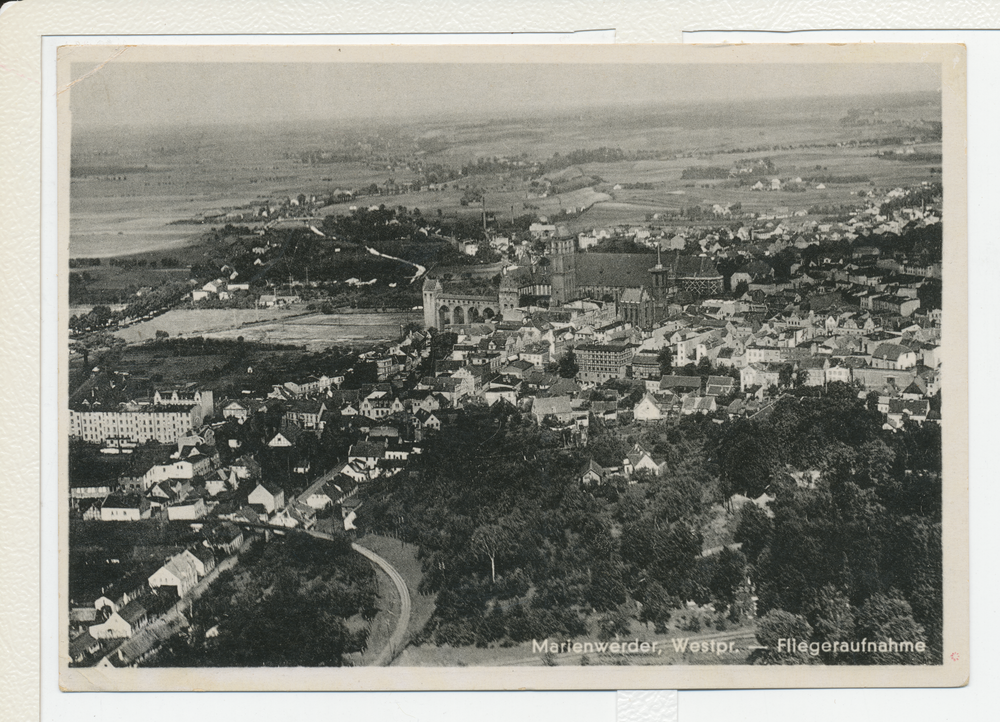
[[930, 193], [853, 551], [128, 263], [515, 549], [202, 346], [593, 155], [837, 179], [102, 316], [285, 605], [912, 157], [706, 172]]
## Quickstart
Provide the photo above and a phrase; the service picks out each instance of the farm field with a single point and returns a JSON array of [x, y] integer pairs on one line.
[[289, 325], [127, 188]]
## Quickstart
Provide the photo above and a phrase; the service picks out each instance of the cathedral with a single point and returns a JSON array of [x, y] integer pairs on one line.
[[639, 285]]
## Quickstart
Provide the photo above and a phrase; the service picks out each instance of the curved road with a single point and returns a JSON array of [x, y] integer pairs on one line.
[[398, 638], [395, 644]]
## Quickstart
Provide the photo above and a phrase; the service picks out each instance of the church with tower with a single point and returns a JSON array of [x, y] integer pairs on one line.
[[641, 288]]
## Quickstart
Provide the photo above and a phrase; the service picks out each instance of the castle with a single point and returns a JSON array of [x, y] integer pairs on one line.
[[639, 287]]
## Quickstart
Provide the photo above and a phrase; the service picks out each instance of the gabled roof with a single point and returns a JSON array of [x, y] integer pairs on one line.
[[680, 382], [563, 387], [305, 406], [270, 487], [367, 450], [124, 501], [890, 351], [132, 612], [290, 430], [556, 405], [698, 403], [719, 385], [635, 295], [913, 407]]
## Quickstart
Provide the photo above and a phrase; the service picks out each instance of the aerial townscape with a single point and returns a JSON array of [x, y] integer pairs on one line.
[[509, 391]]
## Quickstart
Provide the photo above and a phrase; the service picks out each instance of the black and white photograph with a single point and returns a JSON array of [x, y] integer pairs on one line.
[[544, 367]]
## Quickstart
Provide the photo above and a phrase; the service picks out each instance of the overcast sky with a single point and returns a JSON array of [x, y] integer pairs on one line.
[[194, 93]]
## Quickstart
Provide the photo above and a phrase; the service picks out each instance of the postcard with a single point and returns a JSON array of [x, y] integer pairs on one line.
[[512, 367]]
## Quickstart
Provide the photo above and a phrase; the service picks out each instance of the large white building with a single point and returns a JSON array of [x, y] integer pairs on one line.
[[134, 423], [171, 415]]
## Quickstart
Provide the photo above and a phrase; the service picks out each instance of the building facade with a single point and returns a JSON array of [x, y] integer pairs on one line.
[[164, 424], [600, 362]]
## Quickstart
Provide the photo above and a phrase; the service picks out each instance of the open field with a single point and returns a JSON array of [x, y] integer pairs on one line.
[[127, 186], [287, 325]]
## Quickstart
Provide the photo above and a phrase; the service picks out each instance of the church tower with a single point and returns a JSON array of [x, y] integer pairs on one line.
[[663, 279], [509, 295], [562, 259], [432, 289]]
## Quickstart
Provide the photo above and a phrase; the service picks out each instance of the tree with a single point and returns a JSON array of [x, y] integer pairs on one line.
[[884, 619], [748, 458], [753, 531], [568, 367], [664, 357], [491, 540], [613, 624], [656, 607], [607, 590], [776, 632], [730, 573], [832, 618]]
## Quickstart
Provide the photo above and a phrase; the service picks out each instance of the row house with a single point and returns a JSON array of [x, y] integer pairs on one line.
[[121, 623], [897, 305], [763, 375], [237, 409], [183, 571], [125, 507], [307, 414], [757, 354], [380, 404], [203, 398], [656, 407], [646, 365], [425, 400], [473, 377], [893, 356], [686, 344]]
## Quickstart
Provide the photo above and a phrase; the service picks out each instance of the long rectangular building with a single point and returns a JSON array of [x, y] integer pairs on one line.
[[164, 424], [600, 362]]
